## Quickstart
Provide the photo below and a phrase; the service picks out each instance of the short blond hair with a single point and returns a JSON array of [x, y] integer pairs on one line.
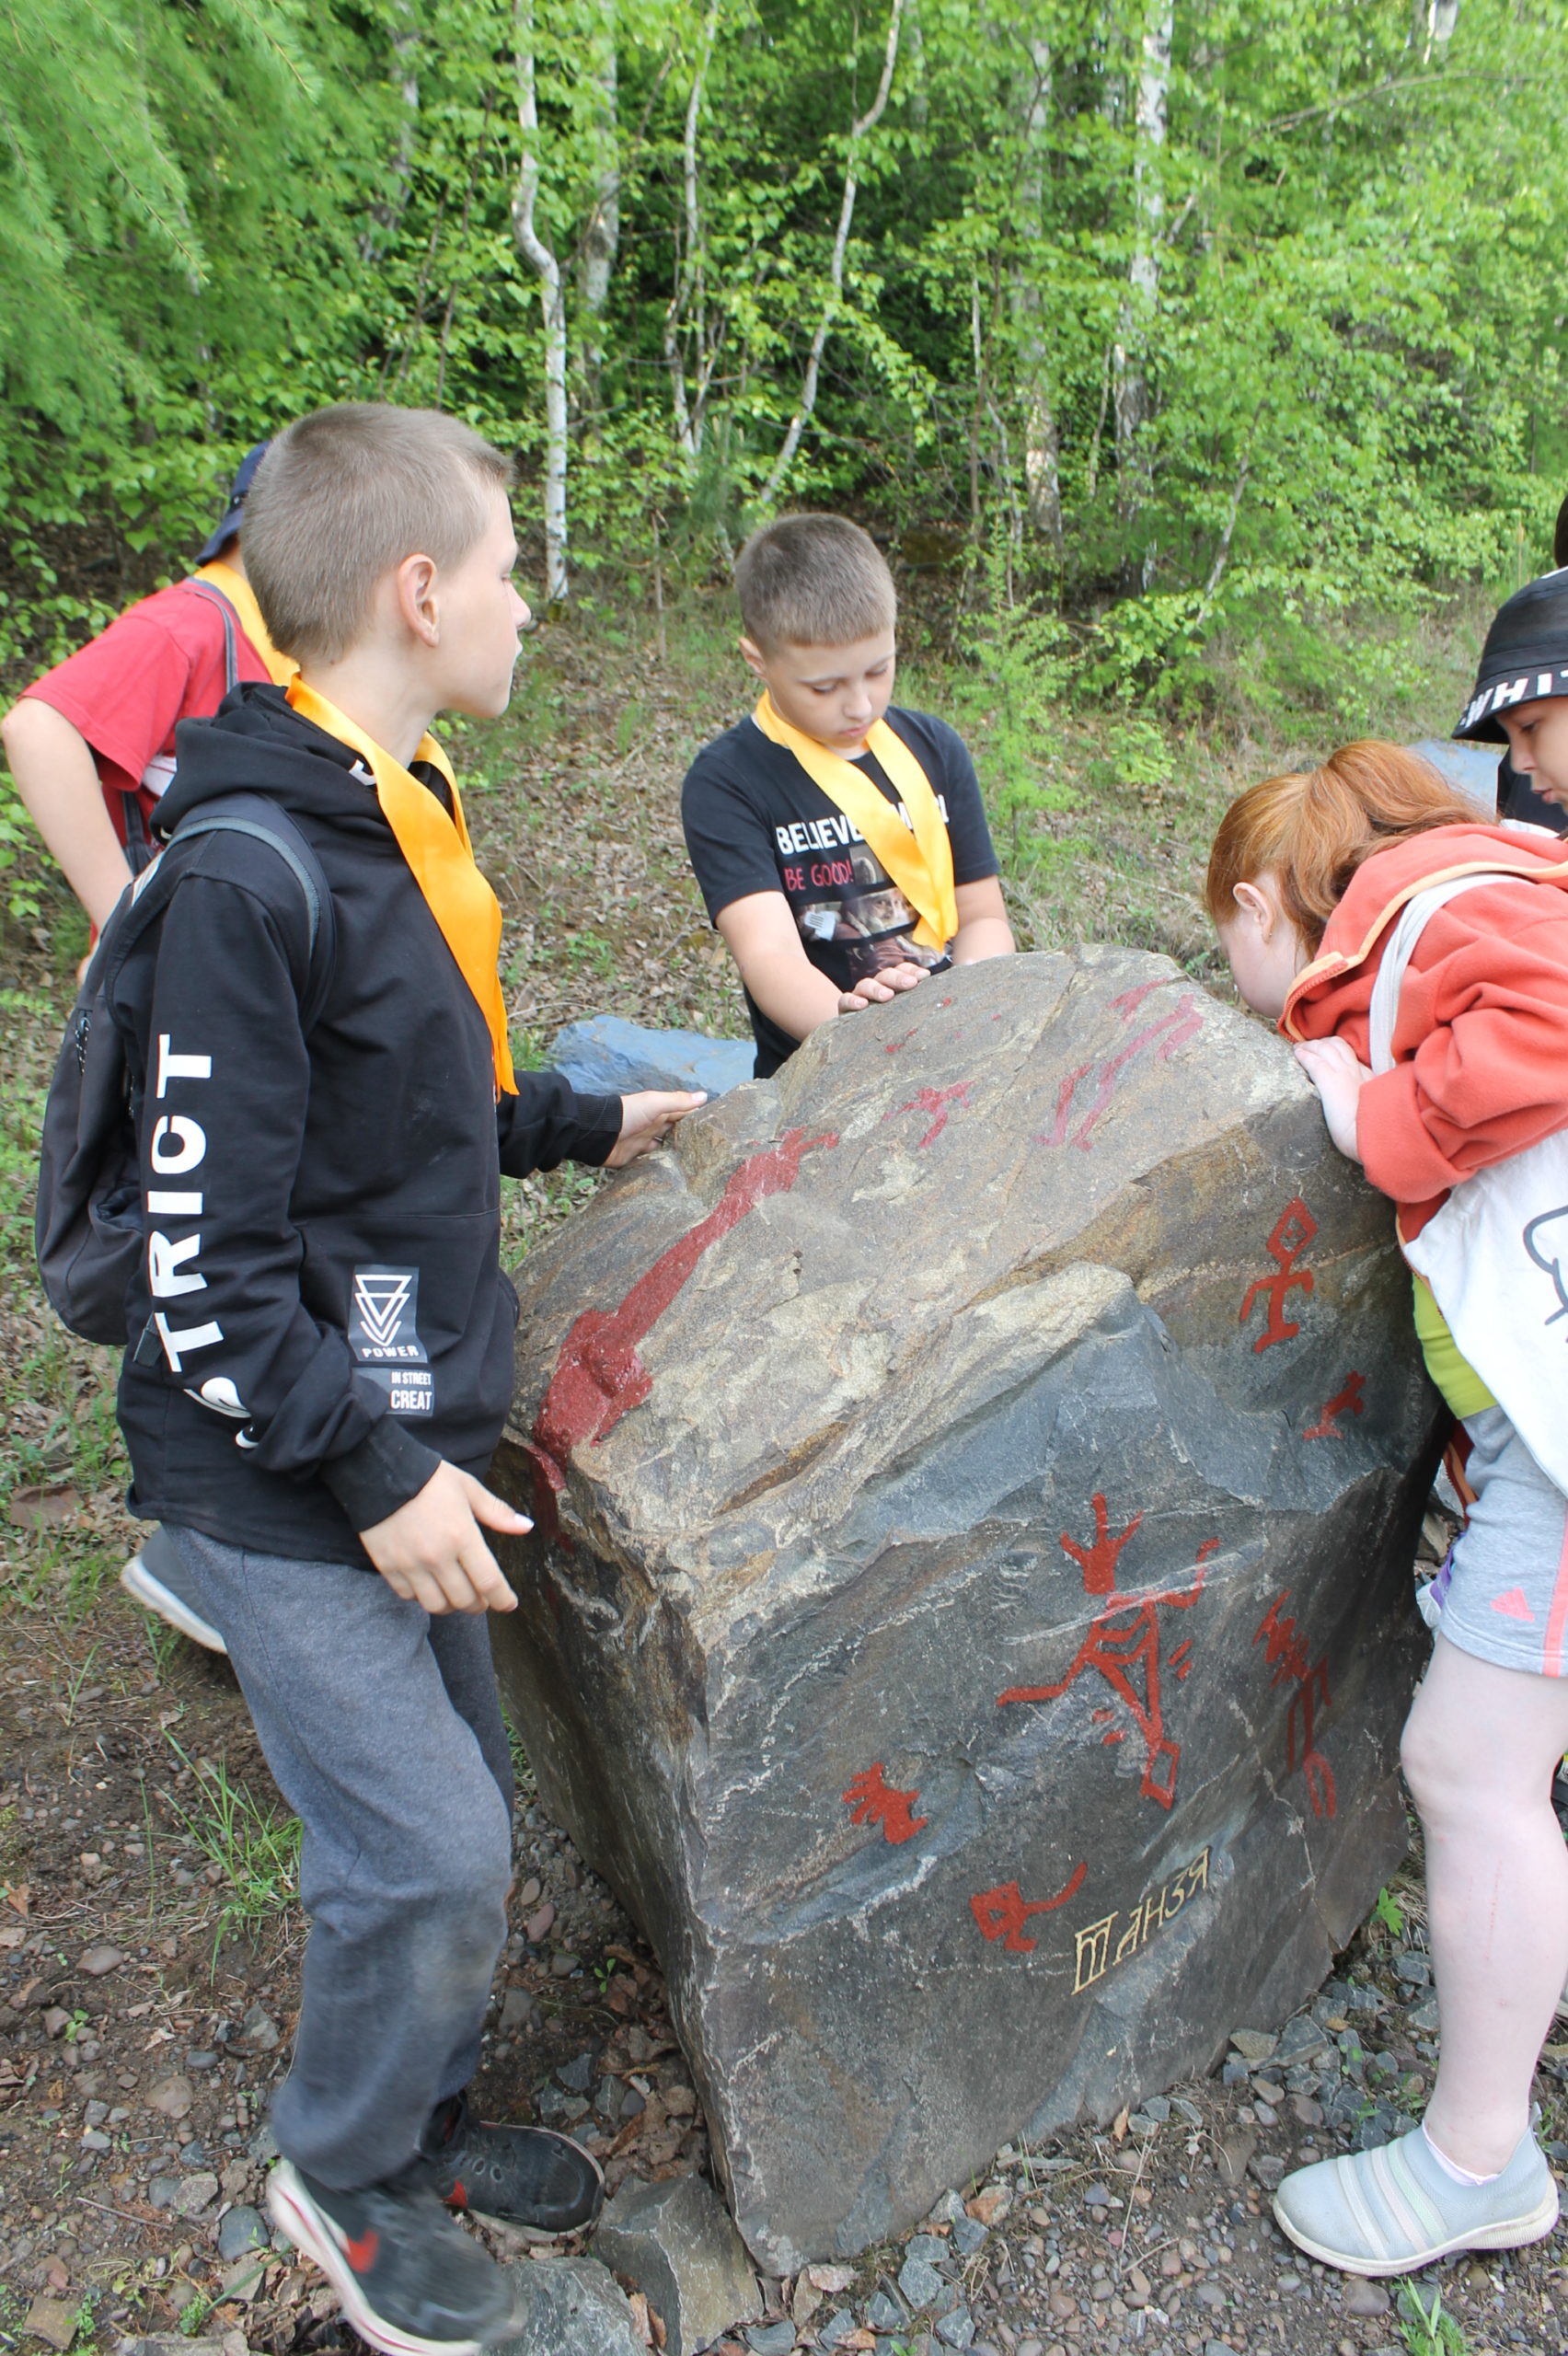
[[813, 581], [344, 495]]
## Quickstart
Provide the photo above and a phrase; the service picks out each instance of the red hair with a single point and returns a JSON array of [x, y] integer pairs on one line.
[[1312, 830]]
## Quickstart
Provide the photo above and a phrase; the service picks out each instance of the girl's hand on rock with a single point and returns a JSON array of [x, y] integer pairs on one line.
[[1339, 1079], [647, 1117]]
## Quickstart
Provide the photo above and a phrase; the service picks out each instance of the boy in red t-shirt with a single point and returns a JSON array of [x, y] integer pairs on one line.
[[91, 744]]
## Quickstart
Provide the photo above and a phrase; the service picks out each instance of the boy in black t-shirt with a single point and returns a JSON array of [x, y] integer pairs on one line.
[[839, 841]]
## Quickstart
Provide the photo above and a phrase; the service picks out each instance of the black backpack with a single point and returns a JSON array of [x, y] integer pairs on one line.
[[89, 1229]]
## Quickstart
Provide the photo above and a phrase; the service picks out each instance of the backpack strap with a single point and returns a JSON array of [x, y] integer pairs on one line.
[[1414, 919], [265, 821], [214, 597]]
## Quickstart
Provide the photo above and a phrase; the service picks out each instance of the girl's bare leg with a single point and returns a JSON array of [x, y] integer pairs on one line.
[[1479, 1753]]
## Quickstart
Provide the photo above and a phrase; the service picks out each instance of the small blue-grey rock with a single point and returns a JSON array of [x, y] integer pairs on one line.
[[95, 2140], [1096, 2196], [200, 2061], [930, 2248], [771, 2339], [606, 1055], [607, 2101], [576, 2074], [161, 2191], [241, 2230], [1187, 2111], [839, 2325], [883, 2314], [1235, 2072], [1158, 2107], [1422, 2018], [1413, 1969], [968, 2236], [921, 2283], [957, 2329]]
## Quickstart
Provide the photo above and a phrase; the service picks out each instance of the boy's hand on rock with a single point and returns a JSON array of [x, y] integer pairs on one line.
[[430, 1550], [647, 1118], [876, 988], [1332, 1066]]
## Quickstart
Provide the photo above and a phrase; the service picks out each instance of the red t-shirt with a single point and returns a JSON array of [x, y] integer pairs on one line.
[[157, 664]]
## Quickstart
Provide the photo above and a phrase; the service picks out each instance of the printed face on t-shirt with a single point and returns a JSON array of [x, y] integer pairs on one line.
[[831, 693]]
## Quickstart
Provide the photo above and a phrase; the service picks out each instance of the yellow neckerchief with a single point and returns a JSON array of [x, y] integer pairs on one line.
[[440, 857], [919, 863], [233, 585]]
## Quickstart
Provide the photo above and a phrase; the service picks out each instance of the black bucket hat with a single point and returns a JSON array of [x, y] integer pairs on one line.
[[1526, 656], [233, 514]]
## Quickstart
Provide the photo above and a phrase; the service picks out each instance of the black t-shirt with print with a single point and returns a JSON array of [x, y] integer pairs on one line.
[[756, 822]]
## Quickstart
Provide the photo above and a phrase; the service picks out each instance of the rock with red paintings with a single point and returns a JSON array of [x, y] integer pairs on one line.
[[969, 1618]]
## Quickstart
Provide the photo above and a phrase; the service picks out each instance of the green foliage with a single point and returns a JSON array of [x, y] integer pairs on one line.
[[1172, 400], [255, 1847], [1425, 2326], [1389, 1913]]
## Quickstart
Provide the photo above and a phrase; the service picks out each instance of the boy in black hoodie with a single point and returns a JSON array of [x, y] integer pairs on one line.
[[323, 1358]]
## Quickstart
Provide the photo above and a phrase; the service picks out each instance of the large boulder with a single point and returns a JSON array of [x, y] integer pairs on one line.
[[969, 1619]]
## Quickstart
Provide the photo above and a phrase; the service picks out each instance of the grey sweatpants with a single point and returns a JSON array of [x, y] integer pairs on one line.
[[384, 1731]]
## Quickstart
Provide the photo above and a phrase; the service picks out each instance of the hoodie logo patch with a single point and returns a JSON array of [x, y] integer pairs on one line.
[[384, 1336]]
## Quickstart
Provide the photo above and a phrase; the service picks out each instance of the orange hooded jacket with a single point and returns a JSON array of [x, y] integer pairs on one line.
[[1481, 1041]]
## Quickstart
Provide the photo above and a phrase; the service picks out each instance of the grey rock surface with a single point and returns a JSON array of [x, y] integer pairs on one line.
[[675, 2242], [968, 1619], [571, 2307]]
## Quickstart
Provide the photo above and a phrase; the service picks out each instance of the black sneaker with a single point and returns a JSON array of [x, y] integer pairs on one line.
[[410, 2279], [523, 2176]]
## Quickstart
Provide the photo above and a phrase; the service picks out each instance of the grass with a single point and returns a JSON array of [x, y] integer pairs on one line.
[[1425, 2326], [255, 1846]]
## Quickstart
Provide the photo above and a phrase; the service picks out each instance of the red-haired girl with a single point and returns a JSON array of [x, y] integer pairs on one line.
[[1418, 956]]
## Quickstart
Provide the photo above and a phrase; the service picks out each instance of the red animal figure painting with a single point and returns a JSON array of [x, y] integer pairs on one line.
[[1122, 1645], [936, 1102], [871, 1799], [1076, 1115], [1293, 1231], [1002, 1912], [1348, 1402], [1286, 1656]]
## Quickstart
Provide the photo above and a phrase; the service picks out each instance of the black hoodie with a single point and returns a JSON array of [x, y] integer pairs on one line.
[[322, 1311]]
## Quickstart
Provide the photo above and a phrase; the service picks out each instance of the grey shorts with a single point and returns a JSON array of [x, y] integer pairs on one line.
[[1502, 1593]]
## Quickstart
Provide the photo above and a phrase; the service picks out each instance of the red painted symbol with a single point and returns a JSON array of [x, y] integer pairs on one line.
[[934, 1101], [1293, 1230], [1183, 1022], [1003, 1911], [870, 1799], [598, 1376], [1286, 1656], [1348, 1402], [1123, 1639]]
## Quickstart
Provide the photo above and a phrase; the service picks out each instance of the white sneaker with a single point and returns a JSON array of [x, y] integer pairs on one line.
[[154, 1577]]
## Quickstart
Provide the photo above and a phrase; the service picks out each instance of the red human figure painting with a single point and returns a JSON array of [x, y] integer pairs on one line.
[[936, 1102], [1348, 1402], [871, 1799], [1122, 1645], [1286, 1656], [1293, 1231], [1003, 1911]]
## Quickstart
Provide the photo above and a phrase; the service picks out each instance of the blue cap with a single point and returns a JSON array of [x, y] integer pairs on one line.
[[234, 515]]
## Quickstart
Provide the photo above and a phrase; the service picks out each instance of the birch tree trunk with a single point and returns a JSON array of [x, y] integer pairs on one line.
[[1042, 469], [552, 299], [601, 238], [688, 303], [384, 216], [1130, 360], [807, 402]]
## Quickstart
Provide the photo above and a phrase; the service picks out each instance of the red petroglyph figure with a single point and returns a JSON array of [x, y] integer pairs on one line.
[[934, 1101], [1348, 1402], [1286, 1656], [871, 1799], [599, 1374], [1293, 1230], [1121, 1639], [1002, 1912], [1183, 1022]]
